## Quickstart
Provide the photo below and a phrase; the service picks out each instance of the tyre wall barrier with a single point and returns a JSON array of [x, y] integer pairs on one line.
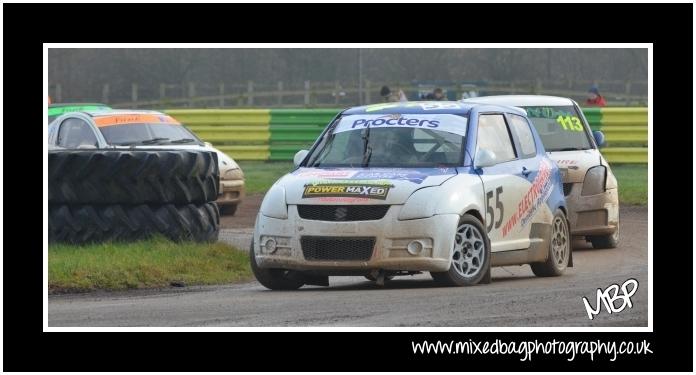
[[129, 195], [277, 134]]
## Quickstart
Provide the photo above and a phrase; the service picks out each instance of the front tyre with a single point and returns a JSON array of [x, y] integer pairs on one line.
[[275, 279], [471, 256], [559, 248]]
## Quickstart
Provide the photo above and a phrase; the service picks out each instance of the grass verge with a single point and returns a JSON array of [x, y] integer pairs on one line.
[[260, 175], [146, 264], [633, 183]]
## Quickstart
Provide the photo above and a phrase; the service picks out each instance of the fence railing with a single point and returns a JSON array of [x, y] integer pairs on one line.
[[309, 94], [277, 134]]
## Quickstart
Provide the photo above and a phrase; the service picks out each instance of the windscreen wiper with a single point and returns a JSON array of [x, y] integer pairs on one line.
[[183, 140], [367, 151], [153, 141]]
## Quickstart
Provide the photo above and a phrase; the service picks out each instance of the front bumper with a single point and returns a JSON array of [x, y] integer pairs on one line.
[[231, 192], [593, 214], [389, 253]]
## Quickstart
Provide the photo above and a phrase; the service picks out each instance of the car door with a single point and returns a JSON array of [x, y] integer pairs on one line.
[[536, 169], [504, 184], [76, 133]]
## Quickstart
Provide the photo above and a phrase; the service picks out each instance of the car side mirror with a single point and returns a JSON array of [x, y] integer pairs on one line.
[[299, 156], [598, 137], [208, 144], [484, 158]]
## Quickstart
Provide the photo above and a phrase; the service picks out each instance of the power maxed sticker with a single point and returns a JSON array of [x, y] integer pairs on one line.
[[372, 191]]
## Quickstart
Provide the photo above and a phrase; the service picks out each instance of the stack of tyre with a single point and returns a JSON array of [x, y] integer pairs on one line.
[[129, 195]]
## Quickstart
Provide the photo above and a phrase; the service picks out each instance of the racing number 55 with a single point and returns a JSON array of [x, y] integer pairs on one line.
[[491, 211]]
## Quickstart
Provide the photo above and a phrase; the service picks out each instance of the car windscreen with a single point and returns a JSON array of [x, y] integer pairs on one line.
[[394, 141], [147, 133], [560, 127]]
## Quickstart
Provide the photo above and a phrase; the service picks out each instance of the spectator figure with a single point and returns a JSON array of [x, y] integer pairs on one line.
[[594, 98], [389, 96], [438, 95]]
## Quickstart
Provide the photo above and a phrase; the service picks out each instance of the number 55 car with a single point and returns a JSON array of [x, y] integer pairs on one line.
[[394, 189]]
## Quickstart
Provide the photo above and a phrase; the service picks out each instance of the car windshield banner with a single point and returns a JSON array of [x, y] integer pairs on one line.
[[442, 122]]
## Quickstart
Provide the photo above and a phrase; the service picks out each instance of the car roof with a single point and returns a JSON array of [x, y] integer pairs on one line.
[[520, 100], [115, 112], [59, 105], [428, 107]]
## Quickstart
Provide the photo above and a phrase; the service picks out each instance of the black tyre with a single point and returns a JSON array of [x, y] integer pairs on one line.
[[605, 242], [228, 209], [132, 176], [386, 278], [471, 257], [559, 248], [80, 224], [275, 279]]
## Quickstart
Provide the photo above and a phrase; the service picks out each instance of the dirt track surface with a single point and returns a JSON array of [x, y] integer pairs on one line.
[[245, 217], [515, 298]]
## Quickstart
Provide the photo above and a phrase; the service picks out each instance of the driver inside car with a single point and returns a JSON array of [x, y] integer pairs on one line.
[[391, 146]]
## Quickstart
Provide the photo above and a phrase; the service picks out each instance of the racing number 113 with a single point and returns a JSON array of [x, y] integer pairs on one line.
[[491, 211], [571, 123]]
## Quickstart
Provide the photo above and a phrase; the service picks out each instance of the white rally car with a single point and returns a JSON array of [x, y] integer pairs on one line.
[[401, 188], [590, 187]]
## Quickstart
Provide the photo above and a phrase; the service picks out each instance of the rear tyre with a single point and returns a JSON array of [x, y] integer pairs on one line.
[[228, 209], [559, 248], [372, 278], [275, 279], [471, 256]]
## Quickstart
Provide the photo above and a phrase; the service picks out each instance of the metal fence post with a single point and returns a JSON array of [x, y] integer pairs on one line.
[[105, 93], [59, 93], [221, 91], [162, 91], [280, 93], [306, 94], [250, 93], [134, 94], [367, 97], [191, 93], [336, 92], [628, 93]]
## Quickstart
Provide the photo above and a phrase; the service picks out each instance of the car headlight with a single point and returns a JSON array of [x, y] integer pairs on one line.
[[421, 204], [595, 180], [274, 204], [233, 174]]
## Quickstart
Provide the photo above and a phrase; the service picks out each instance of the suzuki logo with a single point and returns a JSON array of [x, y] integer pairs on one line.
[[341, 213]]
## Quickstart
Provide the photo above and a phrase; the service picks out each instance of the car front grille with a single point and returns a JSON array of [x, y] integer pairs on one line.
[[337, 248], [342, 213], [567, 187]]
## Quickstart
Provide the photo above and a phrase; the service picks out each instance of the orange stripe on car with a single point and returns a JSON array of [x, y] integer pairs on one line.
[[134, 119]]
